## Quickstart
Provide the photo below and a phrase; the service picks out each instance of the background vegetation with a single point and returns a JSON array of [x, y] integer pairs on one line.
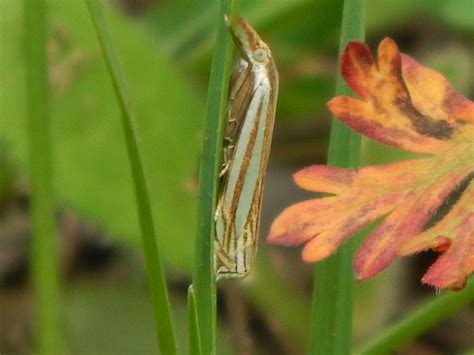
[[165, 49]]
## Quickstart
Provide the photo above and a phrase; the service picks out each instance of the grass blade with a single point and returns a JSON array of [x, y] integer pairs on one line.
[[419, 321], [44, 242], [156, 278], [331, 318], [193, 330], [203, 276]]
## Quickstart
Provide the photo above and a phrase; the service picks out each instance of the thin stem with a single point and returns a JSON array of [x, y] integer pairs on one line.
[[417, 322], [44, 240], [331, 318], [194, 342], [156, 278], [203, 276]]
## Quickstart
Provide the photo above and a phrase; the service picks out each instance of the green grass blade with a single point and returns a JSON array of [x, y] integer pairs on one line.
[[193, 331], [331, 318], [419, 321], [156, 278], [203, 276], [44, 242]]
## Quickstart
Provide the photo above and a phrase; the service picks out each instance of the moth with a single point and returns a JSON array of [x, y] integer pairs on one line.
[[250, 114]]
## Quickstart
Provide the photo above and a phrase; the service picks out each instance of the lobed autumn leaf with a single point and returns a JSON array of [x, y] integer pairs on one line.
[[405, 105]]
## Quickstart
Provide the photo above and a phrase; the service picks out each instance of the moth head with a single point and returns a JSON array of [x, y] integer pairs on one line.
[[252, 48], [260, 55]]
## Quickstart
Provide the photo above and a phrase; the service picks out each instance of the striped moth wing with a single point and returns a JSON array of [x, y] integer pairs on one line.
[[250, 117]]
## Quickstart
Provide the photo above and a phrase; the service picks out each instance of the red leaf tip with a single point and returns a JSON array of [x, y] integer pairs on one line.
[[441, 244]]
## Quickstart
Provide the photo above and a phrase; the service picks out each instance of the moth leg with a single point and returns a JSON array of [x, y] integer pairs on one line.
[[218, 209], [224, 169], [226, 163]]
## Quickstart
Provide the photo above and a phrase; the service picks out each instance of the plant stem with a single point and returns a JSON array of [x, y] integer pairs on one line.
[[44, 255], [331, 318], [419, 321], [203, 276], [194, 343], [156, 278]]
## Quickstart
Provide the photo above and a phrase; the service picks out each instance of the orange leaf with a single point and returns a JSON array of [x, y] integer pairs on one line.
[[387, 113], [432, 95], [405, 105], [454, 235]]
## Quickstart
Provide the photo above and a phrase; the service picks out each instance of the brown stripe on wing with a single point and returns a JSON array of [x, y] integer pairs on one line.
[[250, 234], [251, 228], [243, 171], [240, 95], [239, 101]]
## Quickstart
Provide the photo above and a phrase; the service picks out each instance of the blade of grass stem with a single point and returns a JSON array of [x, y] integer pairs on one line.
[[193, 331], [331, 313], [44, 239], [203, 274], [156, 278], [417, 322]]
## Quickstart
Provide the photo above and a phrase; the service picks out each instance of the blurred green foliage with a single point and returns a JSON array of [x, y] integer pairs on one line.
[[121, 319], [166, 57], [91, 168], [6, 178]]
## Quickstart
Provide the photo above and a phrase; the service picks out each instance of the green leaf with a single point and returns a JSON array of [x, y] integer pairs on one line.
[[156, 280], [331, 313], [203, 273]]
